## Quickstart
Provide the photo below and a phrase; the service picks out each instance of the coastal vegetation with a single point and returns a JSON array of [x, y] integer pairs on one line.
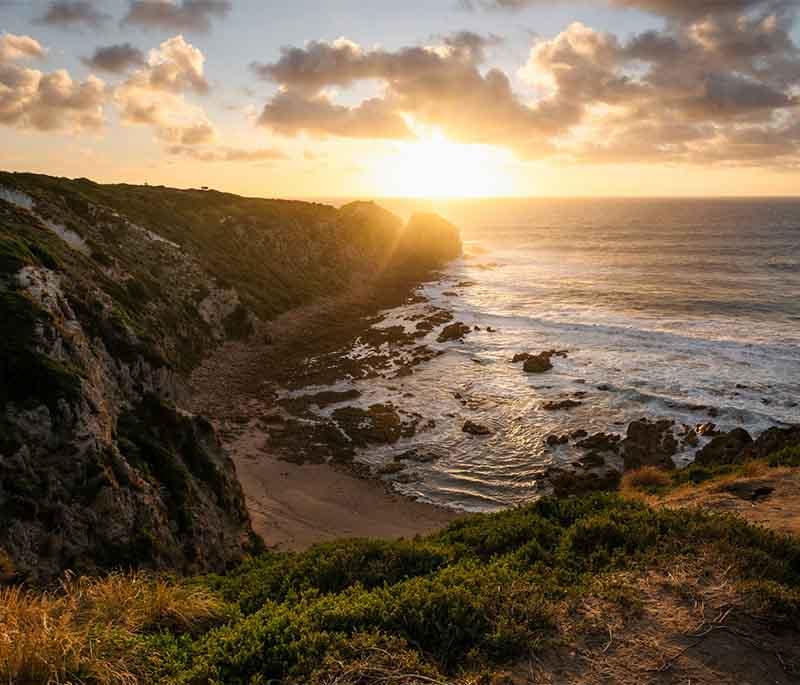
[[461, 605]]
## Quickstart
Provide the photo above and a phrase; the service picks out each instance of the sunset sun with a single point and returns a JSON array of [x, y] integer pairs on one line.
[[433, 167]]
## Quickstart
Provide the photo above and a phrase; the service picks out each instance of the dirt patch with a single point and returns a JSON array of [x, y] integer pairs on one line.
[[685, 624], [778, 508]]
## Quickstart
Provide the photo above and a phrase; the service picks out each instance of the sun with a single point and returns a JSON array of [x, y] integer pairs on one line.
[[434, 167]]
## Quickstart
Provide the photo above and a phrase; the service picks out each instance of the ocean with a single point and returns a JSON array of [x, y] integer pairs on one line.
[[680, 309]]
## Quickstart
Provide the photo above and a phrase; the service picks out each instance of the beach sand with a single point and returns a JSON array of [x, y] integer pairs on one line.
[[295, 506]]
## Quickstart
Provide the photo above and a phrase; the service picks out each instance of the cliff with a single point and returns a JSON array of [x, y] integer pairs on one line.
[[109, 296]]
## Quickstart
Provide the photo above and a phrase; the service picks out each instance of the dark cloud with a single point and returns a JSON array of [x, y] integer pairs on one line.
[[67, 13], [116, 58], [176, 15]]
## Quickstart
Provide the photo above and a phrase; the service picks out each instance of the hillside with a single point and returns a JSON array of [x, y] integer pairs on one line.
[[109, 297]]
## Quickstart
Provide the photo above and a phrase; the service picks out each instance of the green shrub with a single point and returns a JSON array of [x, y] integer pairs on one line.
[[788, 456]]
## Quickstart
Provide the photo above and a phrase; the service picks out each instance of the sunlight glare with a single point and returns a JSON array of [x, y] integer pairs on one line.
[[433, 167]]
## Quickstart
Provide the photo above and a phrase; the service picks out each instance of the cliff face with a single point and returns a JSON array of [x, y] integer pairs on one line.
[[109, 295]]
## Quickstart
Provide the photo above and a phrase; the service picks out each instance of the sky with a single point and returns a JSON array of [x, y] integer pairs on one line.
[[433, 98]]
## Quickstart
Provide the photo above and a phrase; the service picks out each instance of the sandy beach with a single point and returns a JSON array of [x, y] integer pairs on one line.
[[295, 506]]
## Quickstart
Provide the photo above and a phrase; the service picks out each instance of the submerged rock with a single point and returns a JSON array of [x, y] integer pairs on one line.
[[455, 331], [476, 429], [561, 405], [538, 363]]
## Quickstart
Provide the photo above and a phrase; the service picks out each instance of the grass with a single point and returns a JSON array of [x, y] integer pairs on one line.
[[457, 605], [96, 631], [645, 479]]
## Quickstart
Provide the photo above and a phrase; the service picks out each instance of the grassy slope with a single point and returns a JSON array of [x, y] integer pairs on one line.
[[482, 594]]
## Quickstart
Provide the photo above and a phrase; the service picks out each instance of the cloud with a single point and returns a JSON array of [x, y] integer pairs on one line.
[[682, 9], [290, 113], [440, 85], [68, 13], [116, 58], [14, 47], [153, 95], [229, 154], [679, 93], [31, 99], [176, 15]]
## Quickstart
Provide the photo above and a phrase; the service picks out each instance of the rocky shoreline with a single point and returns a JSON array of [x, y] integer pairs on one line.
[[315, 412]]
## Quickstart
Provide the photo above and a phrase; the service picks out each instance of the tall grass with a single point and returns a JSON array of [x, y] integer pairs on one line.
[[86, 630]]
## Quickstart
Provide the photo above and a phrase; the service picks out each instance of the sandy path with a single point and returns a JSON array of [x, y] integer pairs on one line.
[[295, 506]]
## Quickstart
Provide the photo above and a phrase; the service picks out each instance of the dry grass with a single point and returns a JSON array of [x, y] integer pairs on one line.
[[755, 468], [85, 632], [645, 479]]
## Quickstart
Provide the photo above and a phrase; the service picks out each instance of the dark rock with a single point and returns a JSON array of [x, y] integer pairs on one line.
[[691, 439], [391, 469], [707, 429], [728, 448], [771, 441], [455, 331], [380, 424], [602, 442], [751, 491], [649, 443], [568, 483], [578, 434], [604, 387], [417, 456], [476, 428], [554, 440], [592, 460], [537, 364], [561, 405]]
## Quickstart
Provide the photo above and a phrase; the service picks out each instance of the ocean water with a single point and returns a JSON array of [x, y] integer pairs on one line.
[[675, 309]]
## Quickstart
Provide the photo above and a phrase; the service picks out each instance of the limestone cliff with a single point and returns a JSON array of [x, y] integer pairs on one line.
[[109, 295]]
